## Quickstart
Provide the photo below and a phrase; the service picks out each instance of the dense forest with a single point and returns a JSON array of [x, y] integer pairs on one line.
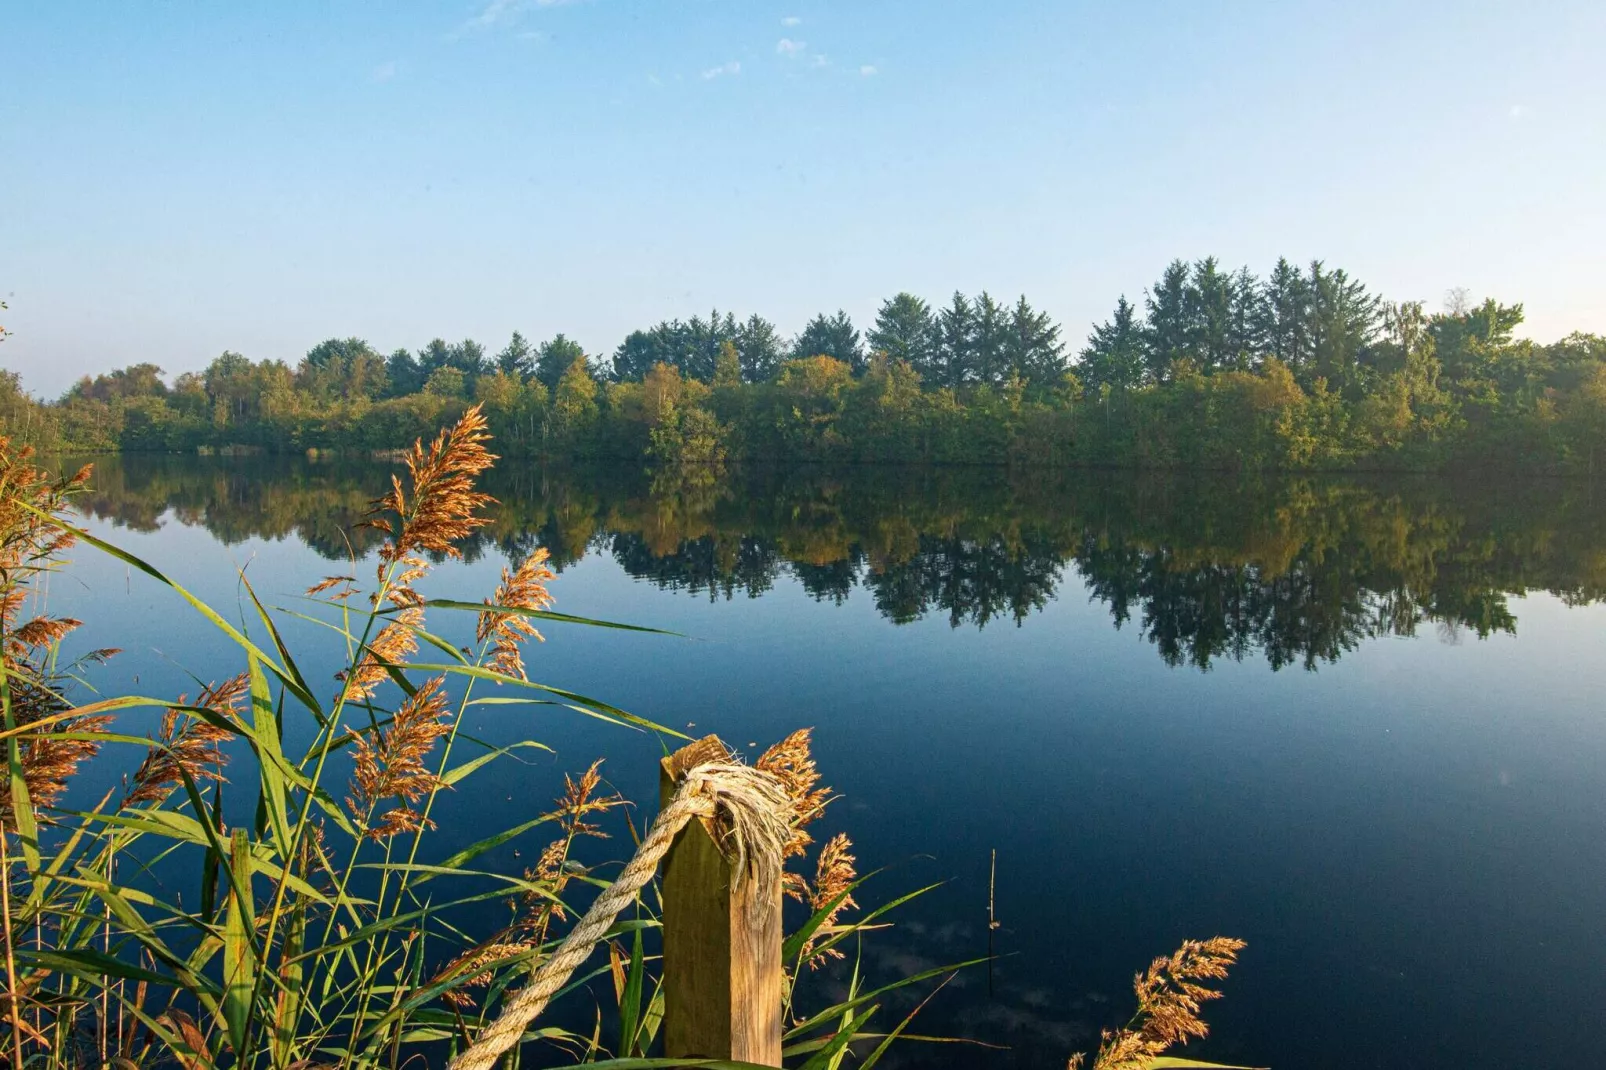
[[1301, 369], [1299, 570]]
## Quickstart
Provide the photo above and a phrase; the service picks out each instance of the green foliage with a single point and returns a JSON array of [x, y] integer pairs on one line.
[[1186, 380]]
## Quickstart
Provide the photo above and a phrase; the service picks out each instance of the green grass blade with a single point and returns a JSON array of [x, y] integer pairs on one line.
[[239, 949]]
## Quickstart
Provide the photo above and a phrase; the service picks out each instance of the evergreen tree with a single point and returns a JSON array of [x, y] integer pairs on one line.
[[517, 359], [636, 355], [904, 330], [1034, 351], [1115, 352], [468, 357], [555, 357], [1246, 317], [403, 376], [1170, 323], [991, 348], [1208, 300], [830, 336], [758, 346], [1285, 316], [1344, 320], [435, 355], [955, 358]]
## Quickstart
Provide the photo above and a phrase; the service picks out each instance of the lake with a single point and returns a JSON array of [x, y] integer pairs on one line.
[[1356, 722]]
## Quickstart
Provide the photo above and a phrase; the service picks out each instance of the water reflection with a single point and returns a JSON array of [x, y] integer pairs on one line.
[[1297, 571]]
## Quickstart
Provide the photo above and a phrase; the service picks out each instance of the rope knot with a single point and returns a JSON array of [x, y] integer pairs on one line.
[[752, 814]]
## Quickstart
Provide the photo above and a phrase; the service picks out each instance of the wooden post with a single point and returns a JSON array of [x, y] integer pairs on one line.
[[722, 942]]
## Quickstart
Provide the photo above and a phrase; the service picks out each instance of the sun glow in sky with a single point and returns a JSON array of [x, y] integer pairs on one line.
[[180, 180]]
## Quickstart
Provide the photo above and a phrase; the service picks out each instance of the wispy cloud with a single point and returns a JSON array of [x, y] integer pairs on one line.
[[733, 67], [791, 20], [1517, 111], [819, 59], [503, 13], [868, 71], [384, 72], [788, 47]]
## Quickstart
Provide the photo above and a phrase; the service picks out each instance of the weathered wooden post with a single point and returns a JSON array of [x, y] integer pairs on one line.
[[722, 941]]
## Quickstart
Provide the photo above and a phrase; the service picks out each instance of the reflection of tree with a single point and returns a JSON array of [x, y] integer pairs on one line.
[[1300, 571]]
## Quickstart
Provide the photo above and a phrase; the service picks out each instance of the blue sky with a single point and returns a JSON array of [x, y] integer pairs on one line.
[[176, 180]]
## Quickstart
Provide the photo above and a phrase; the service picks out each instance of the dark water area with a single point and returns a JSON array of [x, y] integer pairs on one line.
[[1355, 722]]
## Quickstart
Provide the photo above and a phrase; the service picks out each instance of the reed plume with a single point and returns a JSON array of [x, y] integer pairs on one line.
[[396, 641], [390, 762], [579, 800], [1169, 999], [30, 541], [524, 588], [51, 753], [791, 762], [440, 509], [834, 874], [196, 748]]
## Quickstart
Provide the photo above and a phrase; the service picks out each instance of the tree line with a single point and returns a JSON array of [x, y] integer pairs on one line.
[[1304, 368]]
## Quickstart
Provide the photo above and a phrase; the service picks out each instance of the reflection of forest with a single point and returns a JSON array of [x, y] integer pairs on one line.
[[1301, 569]]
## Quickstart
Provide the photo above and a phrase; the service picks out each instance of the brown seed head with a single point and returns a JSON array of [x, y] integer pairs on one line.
[[390, 762], [189, 744], [791, 763], [524, 588]]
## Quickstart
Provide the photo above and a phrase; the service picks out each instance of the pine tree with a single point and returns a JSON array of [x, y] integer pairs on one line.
[[1115, 352], [1034, 351], [1170, 326], [758, 346], [904, 330], [1285, 317], [954, 363], [1344, 320], [992, 340], [555, 358], [1245, 341], [517, 359], [1208, 300], [830, 336], [468, 357]]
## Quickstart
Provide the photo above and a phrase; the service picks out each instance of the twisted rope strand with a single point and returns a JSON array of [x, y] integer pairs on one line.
[[754, 814]]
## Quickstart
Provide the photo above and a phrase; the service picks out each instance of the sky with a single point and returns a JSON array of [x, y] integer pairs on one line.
[[177, 180]]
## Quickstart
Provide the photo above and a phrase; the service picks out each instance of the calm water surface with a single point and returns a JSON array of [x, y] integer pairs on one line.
[[1357, 723]]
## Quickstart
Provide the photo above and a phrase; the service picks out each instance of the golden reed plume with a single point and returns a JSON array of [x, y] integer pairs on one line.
[[389, 762], [540, 907], [443, 497], [437, 513], [524, 588], [792, 762], [30, 542], [1169, 999], [195, 749]]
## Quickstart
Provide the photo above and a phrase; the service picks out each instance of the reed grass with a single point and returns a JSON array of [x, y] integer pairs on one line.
[[325, 932]]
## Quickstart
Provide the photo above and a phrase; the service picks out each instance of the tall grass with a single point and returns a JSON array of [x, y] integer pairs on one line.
[[325, 931]]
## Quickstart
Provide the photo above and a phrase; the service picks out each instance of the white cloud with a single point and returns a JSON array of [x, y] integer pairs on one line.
[[788, 47], [1516, 111], [733, 67], [384, 72], [791, 20], [504, 13], [819, 60], [867, 71]]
